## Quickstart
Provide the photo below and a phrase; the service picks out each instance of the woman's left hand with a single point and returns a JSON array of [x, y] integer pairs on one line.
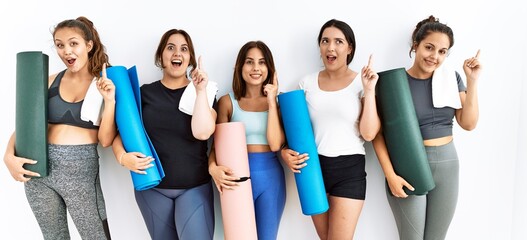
[[199, 77], [106, 86], [369, 77], [271, 89], [472, 68]]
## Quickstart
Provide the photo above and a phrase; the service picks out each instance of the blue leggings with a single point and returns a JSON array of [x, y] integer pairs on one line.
[[178, 213], [268, 185], [428, 217]]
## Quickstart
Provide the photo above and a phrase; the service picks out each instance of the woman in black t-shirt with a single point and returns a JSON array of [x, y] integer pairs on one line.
[[181, 206]]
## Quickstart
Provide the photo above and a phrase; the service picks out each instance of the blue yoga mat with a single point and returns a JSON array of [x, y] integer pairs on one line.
[[299, 134], [129, 122]]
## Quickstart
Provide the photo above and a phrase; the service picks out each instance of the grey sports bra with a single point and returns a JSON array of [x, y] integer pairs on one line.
[[62, 112]]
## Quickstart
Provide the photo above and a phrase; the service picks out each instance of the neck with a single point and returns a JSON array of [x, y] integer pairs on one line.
[[253, 91], [337, 73], [174, 82], [416, 73]]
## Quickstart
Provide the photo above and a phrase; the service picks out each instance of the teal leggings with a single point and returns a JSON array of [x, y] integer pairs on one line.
[[428, 216]]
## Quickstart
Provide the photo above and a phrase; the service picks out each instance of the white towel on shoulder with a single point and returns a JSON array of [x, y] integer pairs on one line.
[[445, 92], [92, 104], [186, 104]]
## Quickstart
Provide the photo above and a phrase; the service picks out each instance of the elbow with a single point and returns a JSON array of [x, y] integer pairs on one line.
[[203, 135], [368, 137], [105, 143], [274, 147], [469, 127]]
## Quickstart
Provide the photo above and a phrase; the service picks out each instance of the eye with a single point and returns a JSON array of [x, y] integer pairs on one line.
[[59, 45], [324, 41], [184, 49], [340, 41], [73, 44], [429, 48], [443, 51], [261, 62], [170, 47], [249, 62]]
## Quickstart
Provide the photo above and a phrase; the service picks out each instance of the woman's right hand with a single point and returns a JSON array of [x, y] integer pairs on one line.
[[396, 184], [136, 162], [223, 177], [294, 160], [15, 166]]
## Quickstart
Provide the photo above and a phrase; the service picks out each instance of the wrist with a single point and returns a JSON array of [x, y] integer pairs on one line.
[[121, 158]]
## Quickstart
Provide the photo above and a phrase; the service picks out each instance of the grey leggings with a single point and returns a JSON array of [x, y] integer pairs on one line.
[[72, 184], [428, 217]]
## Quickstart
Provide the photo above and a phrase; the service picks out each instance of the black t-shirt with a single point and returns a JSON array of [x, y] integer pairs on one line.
[[183, 157]]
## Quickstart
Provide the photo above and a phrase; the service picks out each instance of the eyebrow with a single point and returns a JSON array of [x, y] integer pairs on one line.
[[72, 38], [435, 46], [247, 58]]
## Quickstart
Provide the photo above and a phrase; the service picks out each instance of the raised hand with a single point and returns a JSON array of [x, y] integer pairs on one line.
[[271, 89], [199, 77], [472, 68], [106, 86], [369, 77]]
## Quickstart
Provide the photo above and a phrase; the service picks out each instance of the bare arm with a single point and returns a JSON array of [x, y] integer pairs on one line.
[[467, 117], [369, 123], [275, 133], [203, 121]]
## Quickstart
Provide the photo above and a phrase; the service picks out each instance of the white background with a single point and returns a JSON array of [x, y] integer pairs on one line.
[[493, 183]]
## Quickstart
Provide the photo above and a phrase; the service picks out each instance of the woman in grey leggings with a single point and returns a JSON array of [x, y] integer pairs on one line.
[[73, 181], [429, 216]]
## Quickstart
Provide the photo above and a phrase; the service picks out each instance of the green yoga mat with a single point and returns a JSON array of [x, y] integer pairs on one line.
[[31, 124], [401, 131]]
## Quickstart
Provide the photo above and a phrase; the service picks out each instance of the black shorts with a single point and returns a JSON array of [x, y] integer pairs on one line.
[[344, 176]]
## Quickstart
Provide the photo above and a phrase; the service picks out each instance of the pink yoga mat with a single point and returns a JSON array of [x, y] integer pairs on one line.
[[237, 207]]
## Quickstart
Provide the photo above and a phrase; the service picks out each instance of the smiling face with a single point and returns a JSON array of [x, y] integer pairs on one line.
[[254, 70], [72, 48], [176, 56], [334, 49], [430, 53]]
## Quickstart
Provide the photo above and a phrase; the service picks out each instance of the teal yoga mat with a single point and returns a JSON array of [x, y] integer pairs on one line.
[[31, 118], [401, 131], [300, 137], [128, 116]]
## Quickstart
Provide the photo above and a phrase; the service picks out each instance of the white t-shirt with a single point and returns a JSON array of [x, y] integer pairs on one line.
[[335, 116]]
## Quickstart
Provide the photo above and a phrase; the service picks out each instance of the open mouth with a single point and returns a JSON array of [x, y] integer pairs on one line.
[[71, 61], [177, 63], [331, 58]]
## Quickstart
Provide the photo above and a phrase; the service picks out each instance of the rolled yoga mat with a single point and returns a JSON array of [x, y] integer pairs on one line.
[[129, 122], [299, 134], [401, 131], [31, 125], [237, 207]]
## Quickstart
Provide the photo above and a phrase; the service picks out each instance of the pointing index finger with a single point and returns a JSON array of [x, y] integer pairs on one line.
[[477, 54], [104, 71], [275, 79], [369, 60], [200, 64]]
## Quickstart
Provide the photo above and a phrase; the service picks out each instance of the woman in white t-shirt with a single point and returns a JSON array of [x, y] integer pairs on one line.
[[344, 115]]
